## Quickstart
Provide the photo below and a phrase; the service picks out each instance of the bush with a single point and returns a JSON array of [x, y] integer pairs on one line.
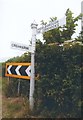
[[58, 91]]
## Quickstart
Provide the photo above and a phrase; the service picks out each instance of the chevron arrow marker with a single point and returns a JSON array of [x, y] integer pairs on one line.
[[17, 70], [9, 69], [28, 71]]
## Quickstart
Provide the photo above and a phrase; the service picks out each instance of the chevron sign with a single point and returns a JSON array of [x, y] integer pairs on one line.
[[18, 70]]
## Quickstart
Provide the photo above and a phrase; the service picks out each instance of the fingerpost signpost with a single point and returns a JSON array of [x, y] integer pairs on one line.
[[16, 69], [35, 31]]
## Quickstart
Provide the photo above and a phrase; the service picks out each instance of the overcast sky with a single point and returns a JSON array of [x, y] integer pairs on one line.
[[16, 17]]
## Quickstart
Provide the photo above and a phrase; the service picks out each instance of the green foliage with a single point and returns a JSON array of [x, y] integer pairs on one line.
[[71, 24], [10, 87], [58, 91], [23, 58], [80, 37], [62, 33]]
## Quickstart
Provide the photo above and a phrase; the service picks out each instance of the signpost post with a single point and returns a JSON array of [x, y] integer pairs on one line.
[[32, 80], [19, 81]]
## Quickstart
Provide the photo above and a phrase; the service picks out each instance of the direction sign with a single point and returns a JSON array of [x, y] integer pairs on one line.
[[21, 46], [52, 25], [18, 70]]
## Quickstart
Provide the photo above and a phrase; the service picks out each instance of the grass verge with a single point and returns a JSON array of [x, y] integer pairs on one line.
[[14, 107]]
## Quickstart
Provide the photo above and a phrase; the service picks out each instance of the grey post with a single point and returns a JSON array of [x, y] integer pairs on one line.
[[32, 79], [19, 86]]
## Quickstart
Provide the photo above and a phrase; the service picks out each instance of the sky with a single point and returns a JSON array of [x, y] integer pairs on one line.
[[16, 17]]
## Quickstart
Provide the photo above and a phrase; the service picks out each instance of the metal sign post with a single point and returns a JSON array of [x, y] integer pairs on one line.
[[19, 81], [32, 79]]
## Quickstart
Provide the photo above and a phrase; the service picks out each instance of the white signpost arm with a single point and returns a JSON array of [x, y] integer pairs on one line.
[[32, 79], [52, 25]]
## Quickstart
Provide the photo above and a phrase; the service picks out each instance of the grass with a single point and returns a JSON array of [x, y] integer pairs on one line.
[[0, 84], [0, 69], [14, 107]]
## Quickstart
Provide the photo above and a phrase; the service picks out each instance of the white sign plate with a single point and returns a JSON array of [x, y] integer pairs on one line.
[[21, 46], [52, 25]]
